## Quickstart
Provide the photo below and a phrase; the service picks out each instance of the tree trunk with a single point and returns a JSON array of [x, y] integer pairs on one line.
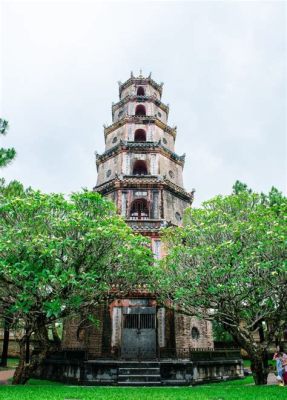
[[4, 355], [20, 375], [257, 352], [259, 370], [25, 370]]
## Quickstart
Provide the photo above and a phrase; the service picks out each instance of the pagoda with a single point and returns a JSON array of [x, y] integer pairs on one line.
[[141, 173], [138, 341], [139, 170]]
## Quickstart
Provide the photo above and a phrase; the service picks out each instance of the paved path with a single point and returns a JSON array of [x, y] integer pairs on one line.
[[271, 380], [5, 375]]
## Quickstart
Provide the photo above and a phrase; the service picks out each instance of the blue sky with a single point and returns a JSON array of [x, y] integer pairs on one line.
[[223, 65]]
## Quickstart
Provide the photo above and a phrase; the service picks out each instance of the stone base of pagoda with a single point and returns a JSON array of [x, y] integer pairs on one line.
[[169, 372]]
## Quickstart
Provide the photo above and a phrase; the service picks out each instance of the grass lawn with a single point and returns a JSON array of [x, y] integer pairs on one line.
[[234, 390], [11, 363], [247, 363]]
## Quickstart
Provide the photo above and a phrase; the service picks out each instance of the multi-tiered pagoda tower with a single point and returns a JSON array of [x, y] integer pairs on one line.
[[139, 169], [142, 174], [137, 341]]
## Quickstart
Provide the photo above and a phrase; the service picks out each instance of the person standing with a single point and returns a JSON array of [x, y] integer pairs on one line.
[[283, 358], [279, 368]]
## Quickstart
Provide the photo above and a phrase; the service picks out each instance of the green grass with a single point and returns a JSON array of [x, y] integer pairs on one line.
[[11, 363], [247, 363], [233, 390]]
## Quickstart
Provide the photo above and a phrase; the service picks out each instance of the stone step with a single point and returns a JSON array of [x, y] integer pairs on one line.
[[139, 378], [174, 382], [139, 364], [139, 371], [140, 384]]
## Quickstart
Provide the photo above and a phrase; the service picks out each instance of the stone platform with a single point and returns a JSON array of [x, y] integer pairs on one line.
[[169, 372]]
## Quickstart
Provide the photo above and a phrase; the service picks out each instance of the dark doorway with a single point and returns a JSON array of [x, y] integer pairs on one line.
[[139, 333], [140, 110], [140, 135], [140, 91], [140, 168]]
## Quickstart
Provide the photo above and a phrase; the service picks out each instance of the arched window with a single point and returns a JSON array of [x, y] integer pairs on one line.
[[140, 110], [140, 168], [195, 333], [139, 209], [140, 91], [140, 135]]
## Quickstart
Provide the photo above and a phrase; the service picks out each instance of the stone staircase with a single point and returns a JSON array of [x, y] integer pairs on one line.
[[139, 374]]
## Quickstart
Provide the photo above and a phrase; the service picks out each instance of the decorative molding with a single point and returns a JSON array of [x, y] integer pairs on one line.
[[140, 119], [143, 182], [140, 146]]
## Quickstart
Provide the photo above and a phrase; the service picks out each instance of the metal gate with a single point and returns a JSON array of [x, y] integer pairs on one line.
[[139, 333]]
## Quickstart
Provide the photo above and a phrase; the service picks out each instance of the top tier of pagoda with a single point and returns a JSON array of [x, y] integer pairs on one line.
[[140, 102], [139, 169]]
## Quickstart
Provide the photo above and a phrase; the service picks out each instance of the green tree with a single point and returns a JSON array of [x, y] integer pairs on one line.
[[220, 334], [58, 257], [228, 264], [6, 155], [14, 188]]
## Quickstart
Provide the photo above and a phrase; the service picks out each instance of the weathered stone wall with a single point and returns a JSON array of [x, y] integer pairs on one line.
[[166, 138], [184, 337], [113, 138], [94, 335], [121, 112], [108, 169], [170, 169], [90, 335], [173, 205], [70, 328]]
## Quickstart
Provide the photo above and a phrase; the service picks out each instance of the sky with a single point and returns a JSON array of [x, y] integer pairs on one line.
[[223, 64]]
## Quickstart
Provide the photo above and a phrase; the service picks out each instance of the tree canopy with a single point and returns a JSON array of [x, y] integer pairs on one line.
[[6, 155], [228, 264], [58, 256]]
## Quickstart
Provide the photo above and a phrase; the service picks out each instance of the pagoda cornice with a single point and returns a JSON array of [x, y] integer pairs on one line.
[[143, 182], [142, 147], [140, 81], [140, 99], [146, 225], [140, 119]]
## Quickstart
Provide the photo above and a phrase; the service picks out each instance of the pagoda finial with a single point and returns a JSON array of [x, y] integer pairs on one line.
[[132, 74], [141, 73], [149, 75]]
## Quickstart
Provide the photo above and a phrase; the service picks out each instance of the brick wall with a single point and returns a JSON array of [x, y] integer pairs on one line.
[[183, 333]]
